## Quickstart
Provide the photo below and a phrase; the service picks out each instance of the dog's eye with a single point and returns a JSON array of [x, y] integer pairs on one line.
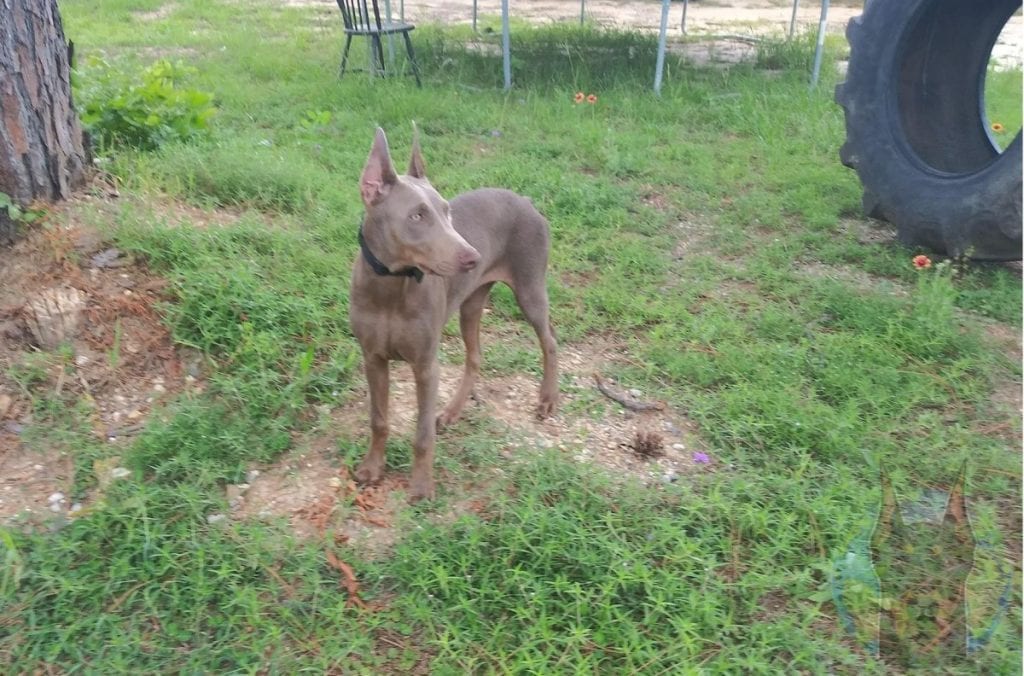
[[416, 216]]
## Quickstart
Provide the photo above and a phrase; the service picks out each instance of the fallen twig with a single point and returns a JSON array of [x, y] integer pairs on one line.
[[348, 580], [628, 402]]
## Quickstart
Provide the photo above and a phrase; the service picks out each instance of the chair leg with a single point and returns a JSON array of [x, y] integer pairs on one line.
[[344, 55], [412, 58], [378, 53]]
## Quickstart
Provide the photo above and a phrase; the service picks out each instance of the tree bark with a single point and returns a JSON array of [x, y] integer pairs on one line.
[[42, 152]]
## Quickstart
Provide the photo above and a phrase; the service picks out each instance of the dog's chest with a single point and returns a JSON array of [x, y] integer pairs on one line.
[[406, 327]]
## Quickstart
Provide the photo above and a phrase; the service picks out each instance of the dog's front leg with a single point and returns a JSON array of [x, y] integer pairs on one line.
[[377, 375], [422, 484]]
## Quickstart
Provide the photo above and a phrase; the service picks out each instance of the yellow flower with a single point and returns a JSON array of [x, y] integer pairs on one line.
[[998, 128]]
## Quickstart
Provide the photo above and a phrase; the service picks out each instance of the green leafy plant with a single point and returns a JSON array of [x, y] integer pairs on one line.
[[315, 119], [19, 214], [146, 112]]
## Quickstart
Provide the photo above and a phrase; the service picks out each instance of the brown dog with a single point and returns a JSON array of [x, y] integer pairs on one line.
[[421, 258]]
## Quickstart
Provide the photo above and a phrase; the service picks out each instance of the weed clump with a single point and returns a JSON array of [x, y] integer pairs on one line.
[[143, 112]]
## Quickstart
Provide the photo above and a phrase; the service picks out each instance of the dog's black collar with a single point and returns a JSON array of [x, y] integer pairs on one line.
[[382, 269]]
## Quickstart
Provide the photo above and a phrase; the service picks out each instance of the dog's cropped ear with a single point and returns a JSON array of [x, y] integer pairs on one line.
[[378, 174], [417, 169]]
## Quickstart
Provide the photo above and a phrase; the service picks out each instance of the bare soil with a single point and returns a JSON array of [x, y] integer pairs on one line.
[[716, 24], [121, 361], [312, 489]]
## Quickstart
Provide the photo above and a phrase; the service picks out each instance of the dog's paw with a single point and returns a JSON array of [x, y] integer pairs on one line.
[[546, 408], [369, 473], [421, 490], [446, 418]]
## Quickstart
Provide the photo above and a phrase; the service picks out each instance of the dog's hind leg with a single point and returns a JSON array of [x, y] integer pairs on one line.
[[532, 297], [469, 323]]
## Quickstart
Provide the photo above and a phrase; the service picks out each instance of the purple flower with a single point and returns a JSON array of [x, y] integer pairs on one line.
[[701, 458]]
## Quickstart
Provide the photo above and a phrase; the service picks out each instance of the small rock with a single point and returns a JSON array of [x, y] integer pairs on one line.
[[193, 363], [335, 482], [243, 487], [81, 360], [55, 507], [159, 388], [55, 497], [11, 330], [5, 404], [216, 518], [53, 316], [635, 393], [107, 259], [235, 494], [669, 477], [135, 415], [13, 427], [38, 468], [77, 507], [120, 473], [252, 474], [678, 447]]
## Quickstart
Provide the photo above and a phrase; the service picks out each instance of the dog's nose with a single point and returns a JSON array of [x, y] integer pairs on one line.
[[468, 258]]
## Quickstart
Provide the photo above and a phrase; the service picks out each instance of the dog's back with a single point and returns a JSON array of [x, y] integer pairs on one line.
[[511, 235]]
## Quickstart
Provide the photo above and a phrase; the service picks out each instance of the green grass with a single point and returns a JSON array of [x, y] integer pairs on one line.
[[1002, 90], [801, 381]]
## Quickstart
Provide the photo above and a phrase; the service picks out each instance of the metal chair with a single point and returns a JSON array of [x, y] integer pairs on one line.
[[362, 17]]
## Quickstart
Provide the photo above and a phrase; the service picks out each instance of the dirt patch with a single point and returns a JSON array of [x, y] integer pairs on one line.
[[1007, 399], [158, 14], [868, 231], [724, 21], [118, 366], [588, 428], [312, 482], [313, 490], [693, 232], [851, 276]]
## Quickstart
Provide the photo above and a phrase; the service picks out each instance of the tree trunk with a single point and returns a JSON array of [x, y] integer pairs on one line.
[[42, 151]]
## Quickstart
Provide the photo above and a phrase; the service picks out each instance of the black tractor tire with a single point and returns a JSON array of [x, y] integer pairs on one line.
[[916, 129]]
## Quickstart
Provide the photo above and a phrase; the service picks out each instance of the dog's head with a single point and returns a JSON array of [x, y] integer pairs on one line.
[[408, 223]]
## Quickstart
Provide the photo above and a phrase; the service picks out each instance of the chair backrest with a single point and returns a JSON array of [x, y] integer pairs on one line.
[[360, 14]]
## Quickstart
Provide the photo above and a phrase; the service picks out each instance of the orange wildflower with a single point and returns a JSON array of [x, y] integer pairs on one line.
[[592, 98], [579, 97], [921, 262]]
